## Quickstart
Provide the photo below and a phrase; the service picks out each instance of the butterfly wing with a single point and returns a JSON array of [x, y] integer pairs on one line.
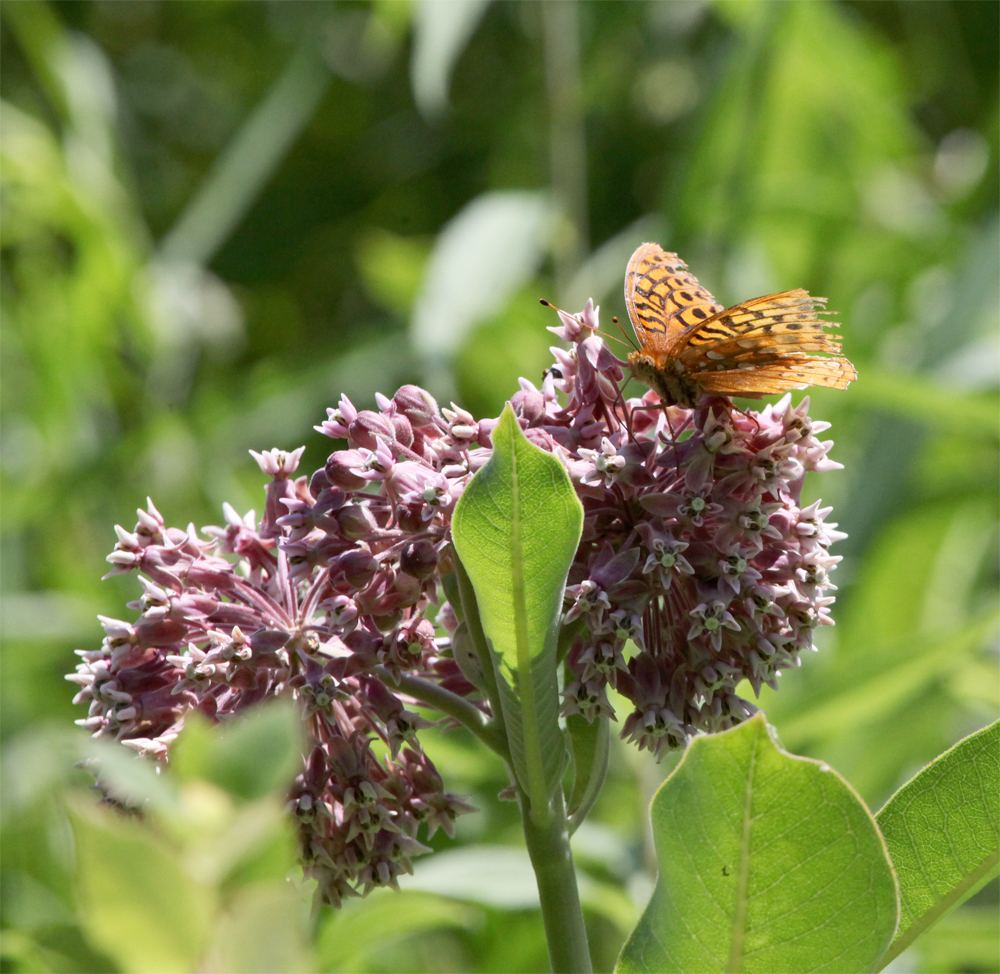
[[763, 346], [783, 375], [664, 299]]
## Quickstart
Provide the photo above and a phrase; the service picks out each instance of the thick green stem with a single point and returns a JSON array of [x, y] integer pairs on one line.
[[552, 860]]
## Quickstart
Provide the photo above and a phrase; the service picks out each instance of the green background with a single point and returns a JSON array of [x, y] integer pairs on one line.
[[165, 310]]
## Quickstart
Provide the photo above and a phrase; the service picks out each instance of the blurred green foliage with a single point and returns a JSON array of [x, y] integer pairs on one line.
[[218, 216]]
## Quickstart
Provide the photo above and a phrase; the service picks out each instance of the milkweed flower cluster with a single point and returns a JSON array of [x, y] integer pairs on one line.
[[325, 599], [697, 569], [695, 549]]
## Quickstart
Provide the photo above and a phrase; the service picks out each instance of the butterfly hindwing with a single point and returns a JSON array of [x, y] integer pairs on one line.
[[758, 331], [782, 375]]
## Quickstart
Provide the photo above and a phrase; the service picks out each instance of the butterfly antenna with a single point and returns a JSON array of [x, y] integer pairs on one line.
[[610, 338], [630, 341]]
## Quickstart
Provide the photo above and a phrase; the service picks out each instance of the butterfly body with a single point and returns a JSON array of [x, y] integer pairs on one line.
[[666, 379], [691, 345]]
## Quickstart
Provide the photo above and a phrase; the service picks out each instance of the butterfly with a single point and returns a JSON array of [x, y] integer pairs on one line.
[[689, 344]]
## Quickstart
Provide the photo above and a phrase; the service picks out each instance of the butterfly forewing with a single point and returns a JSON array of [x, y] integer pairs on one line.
[[664, 299]]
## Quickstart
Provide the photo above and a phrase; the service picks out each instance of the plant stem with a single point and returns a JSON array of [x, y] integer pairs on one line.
[[449, 703], [552, 860]]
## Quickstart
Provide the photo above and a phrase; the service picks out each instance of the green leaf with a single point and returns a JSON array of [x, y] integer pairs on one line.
[[591, 743], [942, 829], [249, 756], [140, 904], [458, 873], [440, 34], [481, 257], [767, 862], [130, 779], [391, 267], [964, 940], [263, 929], [516, 529], [355, 937], [883, 685]]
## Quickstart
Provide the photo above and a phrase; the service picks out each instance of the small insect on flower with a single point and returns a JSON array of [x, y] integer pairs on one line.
[[690, 344]]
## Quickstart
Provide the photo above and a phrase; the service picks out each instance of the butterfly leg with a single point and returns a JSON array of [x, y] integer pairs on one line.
[[636, 409], [673, 437], [753, 419], [626, 417]]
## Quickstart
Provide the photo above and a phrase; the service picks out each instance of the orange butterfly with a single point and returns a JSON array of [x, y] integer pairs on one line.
[[690, 344]]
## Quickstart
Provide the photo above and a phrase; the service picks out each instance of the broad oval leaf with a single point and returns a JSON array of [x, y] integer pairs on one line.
[[942, 829], [254, 753], [132, 880], [767, 862], [516, 529]]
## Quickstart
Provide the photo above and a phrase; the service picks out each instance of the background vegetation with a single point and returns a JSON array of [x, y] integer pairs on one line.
[[218, 216]]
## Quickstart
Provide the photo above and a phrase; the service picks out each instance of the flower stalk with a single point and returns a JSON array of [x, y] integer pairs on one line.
[[437, 698], [552, 860]]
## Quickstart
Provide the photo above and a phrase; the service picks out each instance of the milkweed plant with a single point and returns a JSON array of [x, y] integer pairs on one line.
[[504, 575]]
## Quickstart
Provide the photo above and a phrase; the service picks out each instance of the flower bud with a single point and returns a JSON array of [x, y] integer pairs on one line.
[[417, 405], [541, 438], [367, 426], [388, 621], [319, 482], [528, 404], [409, 517], [341, 467], [358, 566], [447, 619], [403, 430], [356, 522], [419, 559], [486, 428]]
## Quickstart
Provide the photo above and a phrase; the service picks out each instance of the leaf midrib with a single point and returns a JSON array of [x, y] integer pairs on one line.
[[525, 682], [738, 938]]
